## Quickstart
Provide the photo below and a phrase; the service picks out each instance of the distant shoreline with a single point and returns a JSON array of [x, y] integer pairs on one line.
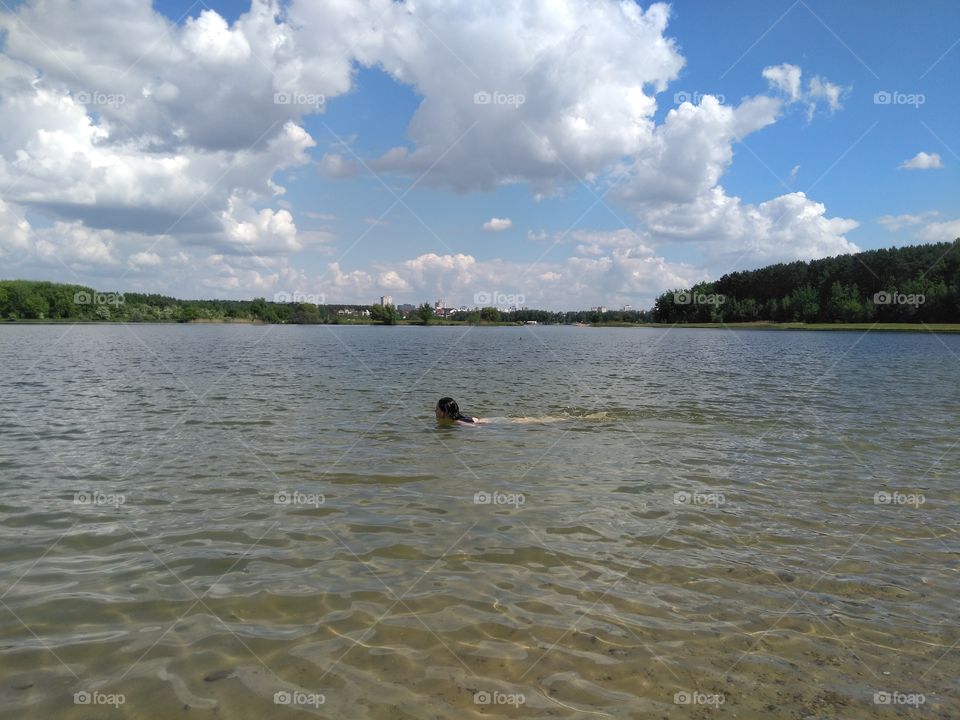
[[831, 327]]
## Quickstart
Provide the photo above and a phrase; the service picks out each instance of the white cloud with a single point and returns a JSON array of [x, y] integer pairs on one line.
[[922, 161], [498, 224], [14, 233], [822, 89], [580, 112], [898, 222], [788, 80], [674, 189], [247, 230], [626, 273], [144, 260], [202, 83], [391, 280], [687, 154], [940, 232], [785, 78], [158, 157], [337, 166]]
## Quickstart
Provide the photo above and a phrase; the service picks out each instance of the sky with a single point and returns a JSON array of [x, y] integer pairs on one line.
[[558, 154]]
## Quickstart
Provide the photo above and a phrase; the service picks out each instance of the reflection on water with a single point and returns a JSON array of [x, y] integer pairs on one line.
[[264, 521]]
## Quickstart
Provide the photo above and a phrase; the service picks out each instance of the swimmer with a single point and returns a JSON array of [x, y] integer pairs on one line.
[[447, 410]]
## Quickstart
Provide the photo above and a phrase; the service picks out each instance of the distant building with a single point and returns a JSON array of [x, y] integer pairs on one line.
[[599, 309], [386, 300]]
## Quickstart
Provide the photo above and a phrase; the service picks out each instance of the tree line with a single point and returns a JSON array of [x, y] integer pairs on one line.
[[39, 300], [35, 300], [919, 283]]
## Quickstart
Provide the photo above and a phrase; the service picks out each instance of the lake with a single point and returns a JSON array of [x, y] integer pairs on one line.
[[229, 521]]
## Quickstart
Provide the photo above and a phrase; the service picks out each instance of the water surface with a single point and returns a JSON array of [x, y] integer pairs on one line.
[[197, 518]]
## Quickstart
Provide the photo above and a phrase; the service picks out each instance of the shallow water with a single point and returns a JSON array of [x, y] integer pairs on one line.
[[201, 517]]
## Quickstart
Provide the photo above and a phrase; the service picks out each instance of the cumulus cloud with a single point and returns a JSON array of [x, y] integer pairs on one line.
[[941, 231], [674, 188], [787, 79], [623, 272], [337, 166], [152, 149], [14, 233], [687, 154], [122, 127], [144, 260], [178, 83], [536, 92], [247, 230], [922, 161], [498, 224], [898, 222], [828, 92]]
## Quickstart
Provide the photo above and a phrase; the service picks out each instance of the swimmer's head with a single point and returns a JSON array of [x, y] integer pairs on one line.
[[447, 409]]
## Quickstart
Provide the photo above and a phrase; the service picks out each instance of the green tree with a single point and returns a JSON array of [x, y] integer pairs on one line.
[[259, 309], [804, 304], [424, 313], [490, 314], [844, 304], [384, 314], [305, 314]]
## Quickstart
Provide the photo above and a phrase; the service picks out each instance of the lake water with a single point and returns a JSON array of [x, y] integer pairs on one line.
[[255, 521]]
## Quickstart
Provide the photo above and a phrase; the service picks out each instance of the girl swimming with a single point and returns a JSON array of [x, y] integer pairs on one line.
[[447, 410]]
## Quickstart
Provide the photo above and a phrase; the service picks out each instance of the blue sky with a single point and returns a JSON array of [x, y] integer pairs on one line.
[[610, 200]]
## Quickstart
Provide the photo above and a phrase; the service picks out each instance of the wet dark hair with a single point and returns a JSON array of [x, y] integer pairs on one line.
[[448, 406]]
